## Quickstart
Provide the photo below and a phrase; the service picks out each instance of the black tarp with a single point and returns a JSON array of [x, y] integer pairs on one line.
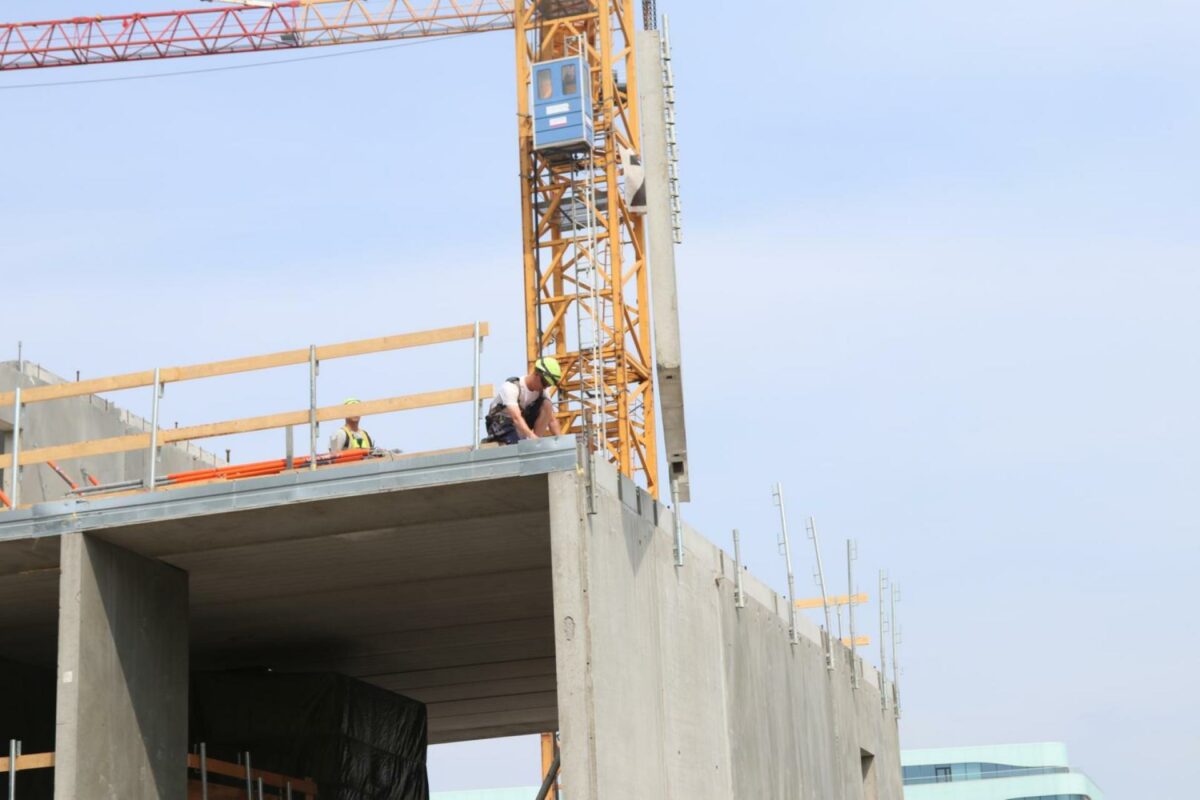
[[357, 741]]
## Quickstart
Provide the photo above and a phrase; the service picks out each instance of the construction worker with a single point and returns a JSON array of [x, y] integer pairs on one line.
[[350, 436], [522, 409]]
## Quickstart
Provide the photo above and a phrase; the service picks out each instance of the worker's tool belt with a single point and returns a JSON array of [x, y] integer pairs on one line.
[[500, 424]]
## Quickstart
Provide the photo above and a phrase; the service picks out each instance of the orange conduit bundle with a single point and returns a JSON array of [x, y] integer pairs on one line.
[[260, 468], [4, 499]]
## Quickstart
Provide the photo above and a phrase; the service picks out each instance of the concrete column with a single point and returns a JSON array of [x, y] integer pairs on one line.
[[122, 675], [660, 246]]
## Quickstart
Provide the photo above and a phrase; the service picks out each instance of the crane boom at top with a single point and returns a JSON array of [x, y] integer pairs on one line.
[[240, 28]]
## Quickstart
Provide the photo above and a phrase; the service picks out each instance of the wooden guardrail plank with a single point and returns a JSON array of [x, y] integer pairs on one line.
[[230, 770], [226, 769], [834, 600], [139, 441], [31, 761], [134, 380]]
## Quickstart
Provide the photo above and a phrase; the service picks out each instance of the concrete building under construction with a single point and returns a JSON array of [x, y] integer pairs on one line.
[[173, 625], [510, 590]]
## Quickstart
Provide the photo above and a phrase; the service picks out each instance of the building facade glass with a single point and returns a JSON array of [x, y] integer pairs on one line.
[[1002, 772]]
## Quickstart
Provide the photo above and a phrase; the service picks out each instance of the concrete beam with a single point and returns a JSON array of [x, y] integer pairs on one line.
[[122, 675], [660, 246]]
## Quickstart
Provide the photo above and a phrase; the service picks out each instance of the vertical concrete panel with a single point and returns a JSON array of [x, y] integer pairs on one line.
[[122, 675], [667, 690], [627, 666], [572, 642], [691, 646]]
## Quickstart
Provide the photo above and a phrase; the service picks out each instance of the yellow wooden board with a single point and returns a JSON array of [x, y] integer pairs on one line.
[[834, 600], [31, 761], [134, 380], [138, 441]]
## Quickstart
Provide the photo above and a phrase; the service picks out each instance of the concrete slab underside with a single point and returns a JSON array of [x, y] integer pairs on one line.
[[440, 592]]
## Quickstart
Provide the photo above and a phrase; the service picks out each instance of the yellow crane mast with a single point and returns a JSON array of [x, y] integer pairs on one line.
[[586, 282]]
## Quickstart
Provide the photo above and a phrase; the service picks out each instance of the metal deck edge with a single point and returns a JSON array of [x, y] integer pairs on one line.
[[54, 518]]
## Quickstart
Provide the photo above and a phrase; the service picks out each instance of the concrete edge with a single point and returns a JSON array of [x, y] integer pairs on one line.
[[368, 477]]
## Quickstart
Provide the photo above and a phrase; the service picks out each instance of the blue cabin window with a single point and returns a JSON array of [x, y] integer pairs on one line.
[[545, 84], [570, 79]]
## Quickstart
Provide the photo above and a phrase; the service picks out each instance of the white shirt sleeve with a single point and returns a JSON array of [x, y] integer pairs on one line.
[[508, 394], [339, 440]]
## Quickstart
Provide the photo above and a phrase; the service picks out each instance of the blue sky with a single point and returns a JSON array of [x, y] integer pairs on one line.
[[939, 277]]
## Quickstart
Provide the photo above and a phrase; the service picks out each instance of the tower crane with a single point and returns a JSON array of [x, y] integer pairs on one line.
[[587, 287]]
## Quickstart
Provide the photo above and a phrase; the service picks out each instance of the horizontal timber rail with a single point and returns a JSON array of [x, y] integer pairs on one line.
[[154, 438], [141, 441], [31, 761], [297, 788], [136, 380]]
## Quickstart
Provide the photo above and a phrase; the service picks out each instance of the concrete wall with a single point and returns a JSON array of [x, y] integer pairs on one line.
[[78, 419], [666, 689]]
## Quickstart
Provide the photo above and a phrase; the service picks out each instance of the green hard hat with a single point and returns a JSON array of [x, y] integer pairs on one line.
[[549, 369]]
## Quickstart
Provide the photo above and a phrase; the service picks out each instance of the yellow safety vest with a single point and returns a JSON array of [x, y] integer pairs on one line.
[[357, 440]]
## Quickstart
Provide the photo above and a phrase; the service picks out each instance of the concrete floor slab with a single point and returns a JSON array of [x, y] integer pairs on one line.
[[429, 576]]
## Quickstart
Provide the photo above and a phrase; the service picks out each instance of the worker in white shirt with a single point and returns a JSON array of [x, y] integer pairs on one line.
[[522, 409], [350, 436]]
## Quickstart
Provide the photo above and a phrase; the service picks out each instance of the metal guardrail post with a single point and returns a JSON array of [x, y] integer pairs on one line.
[[152, 457], [851, 555], [14, 752], [895, 658], [249, 780], [290, 443], [313, 368], [739, 594], [812, 534], [678, 522], [203, 771], [883, 690], [14, 493], [785, 544], [475, 392]]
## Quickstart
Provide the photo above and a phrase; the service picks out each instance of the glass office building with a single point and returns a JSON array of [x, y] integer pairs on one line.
[[996, 772]]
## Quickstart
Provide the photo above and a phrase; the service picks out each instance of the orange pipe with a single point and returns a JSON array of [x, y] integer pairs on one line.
[[260, 468], [4, 499], [61, 474]]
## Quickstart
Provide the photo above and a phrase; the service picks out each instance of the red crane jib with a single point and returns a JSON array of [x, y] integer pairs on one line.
[[239, 29]]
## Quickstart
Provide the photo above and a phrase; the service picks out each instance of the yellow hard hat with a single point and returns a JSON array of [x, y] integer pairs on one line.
[[351, 401], [549, 369]]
